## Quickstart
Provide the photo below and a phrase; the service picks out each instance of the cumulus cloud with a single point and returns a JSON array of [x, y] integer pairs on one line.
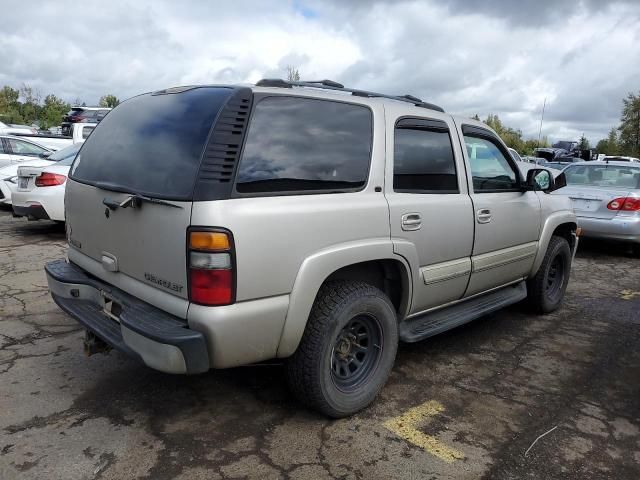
[[495, 56]]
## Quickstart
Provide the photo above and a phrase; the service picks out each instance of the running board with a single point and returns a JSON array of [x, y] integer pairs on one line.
[[433, 323]]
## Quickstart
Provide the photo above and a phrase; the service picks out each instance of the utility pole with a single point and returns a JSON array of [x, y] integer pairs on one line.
[[541, 119]]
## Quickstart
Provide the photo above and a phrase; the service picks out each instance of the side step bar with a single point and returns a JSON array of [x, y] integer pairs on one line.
[[433, 323]]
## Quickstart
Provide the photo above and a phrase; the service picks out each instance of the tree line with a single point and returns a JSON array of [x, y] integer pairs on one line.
[[622, 140], [27, 105], [625, 138]]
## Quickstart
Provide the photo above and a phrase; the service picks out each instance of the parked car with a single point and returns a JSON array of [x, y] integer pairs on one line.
[[20, 129], [16, 150], [606, 198], [79, 133], [555, 165], [24, 127], [40, 189], [9, 175], [211, 227], [82, 115], [620, 158], [9, 178], [516, 156]]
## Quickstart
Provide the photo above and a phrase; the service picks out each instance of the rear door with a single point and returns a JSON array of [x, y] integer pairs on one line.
[[430, 210], [128, 200], [507, 218]]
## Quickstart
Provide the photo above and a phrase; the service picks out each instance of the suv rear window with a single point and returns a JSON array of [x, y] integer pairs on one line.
[[151, 144], [305, 145]]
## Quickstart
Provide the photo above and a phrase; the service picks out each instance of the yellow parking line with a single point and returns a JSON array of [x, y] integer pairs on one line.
[[629, 294], [405, 427]]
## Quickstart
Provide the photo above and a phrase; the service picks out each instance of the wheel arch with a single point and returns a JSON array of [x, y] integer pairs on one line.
[[373, 262], [563, 224]]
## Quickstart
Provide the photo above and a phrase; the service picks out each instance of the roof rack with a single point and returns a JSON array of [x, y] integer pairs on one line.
[[331, 85]]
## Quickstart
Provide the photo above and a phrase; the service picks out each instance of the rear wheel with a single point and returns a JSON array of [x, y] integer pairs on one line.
[[546, 289], [347, 349]]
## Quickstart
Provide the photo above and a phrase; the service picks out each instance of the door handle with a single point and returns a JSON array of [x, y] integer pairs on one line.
[[483, 215], [411, 221]]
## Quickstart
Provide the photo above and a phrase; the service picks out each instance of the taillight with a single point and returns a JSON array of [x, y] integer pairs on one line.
[[47, 179], [625, 204], [211, 273]]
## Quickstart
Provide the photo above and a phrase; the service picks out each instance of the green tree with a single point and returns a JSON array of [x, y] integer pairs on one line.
[[583, 144], [476, 117], [30, 108], [10, 106], [630, 125], [53, 110], [109, 100], [293, 75], [609, 145]]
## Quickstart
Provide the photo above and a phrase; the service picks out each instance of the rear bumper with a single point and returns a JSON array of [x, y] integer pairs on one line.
[[33, 212], [625, 228], [162, 341]]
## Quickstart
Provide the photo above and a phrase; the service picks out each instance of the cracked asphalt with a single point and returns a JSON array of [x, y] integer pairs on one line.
[[499, 384]]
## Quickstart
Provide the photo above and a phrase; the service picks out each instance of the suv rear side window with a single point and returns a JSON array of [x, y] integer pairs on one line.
[[423, 161], [490, 169], [152, 144], [305, 145]]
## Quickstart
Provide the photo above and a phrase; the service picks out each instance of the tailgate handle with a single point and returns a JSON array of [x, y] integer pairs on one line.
[[111, 204]]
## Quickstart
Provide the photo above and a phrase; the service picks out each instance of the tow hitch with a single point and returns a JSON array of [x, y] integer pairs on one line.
[[94, 344]]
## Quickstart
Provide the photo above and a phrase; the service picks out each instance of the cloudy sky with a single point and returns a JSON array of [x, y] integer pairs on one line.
[[494, 56]]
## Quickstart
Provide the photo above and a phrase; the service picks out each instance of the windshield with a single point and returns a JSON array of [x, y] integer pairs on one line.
[[152, 144], [65, 153], [610, 176]]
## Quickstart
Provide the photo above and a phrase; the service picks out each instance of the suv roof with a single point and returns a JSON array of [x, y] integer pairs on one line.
[[335, 86]]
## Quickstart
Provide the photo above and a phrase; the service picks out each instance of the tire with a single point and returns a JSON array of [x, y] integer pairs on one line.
[[546, 289], [350, 322]]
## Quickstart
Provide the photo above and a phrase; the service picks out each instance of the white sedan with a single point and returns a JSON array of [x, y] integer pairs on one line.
[[40, 192], [9, 174]]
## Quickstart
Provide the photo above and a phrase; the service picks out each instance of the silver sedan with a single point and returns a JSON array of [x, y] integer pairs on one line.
[[606, 198]]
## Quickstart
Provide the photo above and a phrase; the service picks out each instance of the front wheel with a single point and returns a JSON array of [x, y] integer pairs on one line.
[[546, 289], [347, 350]]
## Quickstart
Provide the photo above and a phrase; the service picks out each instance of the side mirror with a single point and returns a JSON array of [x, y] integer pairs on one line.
[[539, 179]]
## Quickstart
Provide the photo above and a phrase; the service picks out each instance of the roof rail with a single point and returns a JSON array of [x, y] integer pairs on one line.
[[331, 85]]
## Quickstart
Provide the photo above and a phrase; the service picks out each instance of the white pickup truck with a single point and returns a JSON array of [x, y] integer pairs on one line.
[[79, 133]]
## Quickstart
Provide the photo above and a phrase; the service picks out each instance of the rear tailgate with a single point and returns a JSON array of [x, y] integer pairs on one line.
[[129, 195]]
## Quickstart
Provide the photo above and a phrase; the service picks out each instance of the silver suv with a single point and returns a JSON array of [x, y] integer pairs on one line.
[[216, 226]]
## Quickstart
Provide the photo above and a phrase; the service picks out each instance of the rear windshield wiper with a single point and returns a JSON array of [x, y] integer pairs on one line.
[[135, 201]]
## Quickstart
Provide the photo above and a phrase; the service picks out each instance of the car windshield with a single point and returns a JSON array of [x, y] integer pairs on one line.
[[65, 153], [610, 176]]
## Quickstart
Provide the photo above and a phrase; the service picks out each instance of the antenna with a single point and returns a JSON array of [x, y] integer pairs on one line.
[[541, 119]]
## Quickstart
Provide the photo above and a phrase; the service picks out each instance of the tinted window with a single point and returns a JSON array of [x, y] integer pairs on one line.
[[297, 144], [20, 147], [152, 144], [490, 169], [2, 145], [423, 162], [609, 176], [75, 111]]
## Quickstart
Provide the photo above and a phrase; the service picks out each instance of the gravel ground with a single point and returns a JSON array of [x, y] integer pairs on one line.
[[465, 404]]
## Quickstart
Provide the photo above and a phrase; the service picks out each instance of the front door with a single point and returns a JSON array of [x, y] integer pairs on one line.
[[507, 218], [431, 213]]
